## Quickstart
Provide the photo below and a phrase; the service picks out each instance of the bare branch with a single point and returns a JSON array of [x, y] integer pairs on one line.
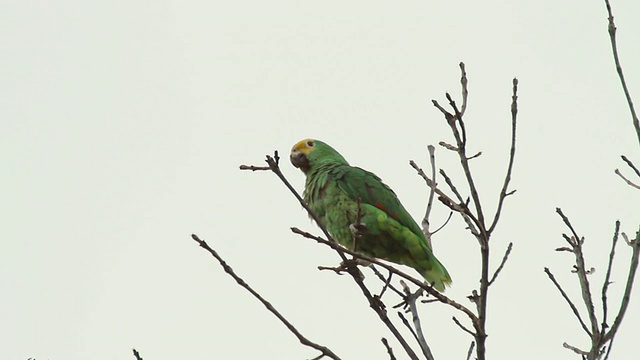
[[609, 349], [568, 223], [631, 165], [453, 105], [389, 349], [614, 47], [406, 323], [449, 117], [512, 154], [633, 267], [387, 282], [607, 278], [410, 299], [432, 192], [444, 198], [629, 182], [254, 168], [453, 188], [475, 155], [303, 340], [475, 217], [575, 349], [460, 207], [504, 261], [465, 91], [460, 136], [568, 300], [470, 351], [467, 216], [448, 146], [564, 249], [339, 270], [455, 320], [422, 174], [137, 354], [443, 224], [582, 272]]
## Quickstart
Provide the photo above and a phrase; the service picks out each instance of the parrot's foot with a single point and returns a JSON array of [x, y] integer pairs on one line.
[[353, 264], [356, 262], [358, 229]]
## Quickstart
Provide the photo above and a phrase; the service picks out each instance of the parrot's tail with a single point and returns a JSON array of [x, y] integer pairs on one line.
[[437, 275]]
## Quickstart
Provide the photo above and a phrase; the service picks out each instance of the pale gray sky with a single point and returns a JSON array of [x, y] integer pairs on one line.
[[122, 126]]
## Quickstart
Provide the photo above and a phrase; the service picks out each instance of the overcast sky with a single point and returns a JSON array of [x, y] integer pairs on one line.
[[123, 123]]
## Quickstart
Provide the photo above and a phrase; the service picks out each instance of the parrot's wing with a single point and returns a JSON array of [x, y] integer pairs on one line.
[[359, 183]]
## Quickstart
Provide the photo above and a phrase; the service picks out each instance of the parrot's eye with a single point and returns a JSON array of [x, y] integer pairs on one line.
[[310, 143]]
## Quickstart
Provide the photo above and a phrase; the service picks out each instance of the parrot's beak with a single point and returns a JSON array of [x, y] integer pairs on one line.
[[299, 160]]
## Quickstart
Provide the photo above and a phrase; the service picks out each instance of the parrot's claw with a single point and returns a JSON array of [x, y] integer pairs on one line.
[[358, 229], [355, 261]]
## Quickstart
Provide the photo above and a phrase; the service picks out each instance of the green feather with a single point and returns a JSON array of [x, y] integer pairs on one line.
[[332, 188]]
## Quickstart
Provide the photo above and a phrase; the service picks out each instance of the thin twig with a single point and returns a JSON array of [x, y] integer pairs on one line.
[[453, 188], [614, 47], [470, 351], [460, 208], [609, 348], [386, 281], [410, 298], [432, 192], [460, 136], [467, 216], [137, 354], [458, 117], [448, 116], [629, 182], [631, 165], [303, 340], [600, 337], [448, 146], [464, 328], [389, 349], [504, 261], [568, 300], [339, 270], [512, 154], [406, 323], [607, 278], [633, 267], [254, 168], [575, 349], [444, 223], [476, 155], [463, 84], [581, 271], [475, 218], [568, 223]]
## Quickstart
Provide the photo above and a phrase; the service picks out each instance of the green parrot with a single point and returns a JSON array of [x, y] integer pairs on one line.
[[386, 230]]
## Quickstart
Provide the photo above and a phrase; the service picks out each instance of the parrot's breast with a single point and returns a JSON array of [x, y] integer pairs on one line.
[[335, 210]]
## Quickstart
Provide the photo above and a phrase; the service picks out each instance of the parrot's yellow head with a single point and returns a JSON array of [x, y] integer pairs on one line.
[[299, 155], [309, 154]]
